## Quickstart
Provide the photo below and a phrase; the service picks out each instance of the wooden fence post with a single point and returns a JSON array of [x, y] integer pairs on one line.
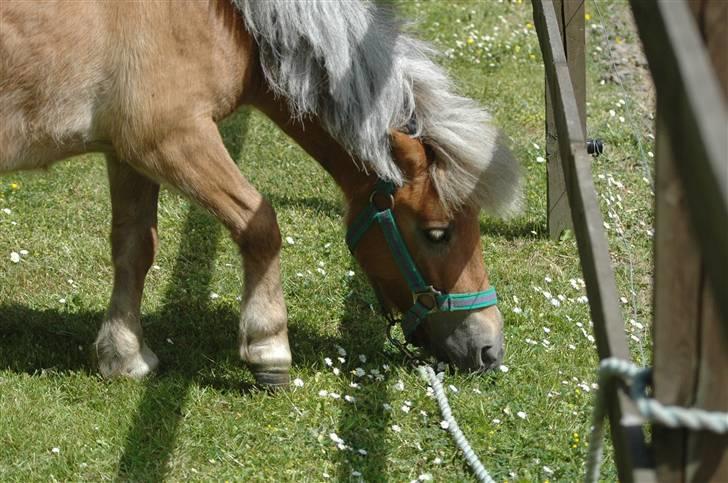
[[631, 456], [691, 349], [570, 15]]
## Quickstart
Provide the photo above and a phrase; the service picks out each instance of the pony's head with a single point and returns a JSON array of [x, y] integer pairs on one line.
[[423, 257], [359, 75]]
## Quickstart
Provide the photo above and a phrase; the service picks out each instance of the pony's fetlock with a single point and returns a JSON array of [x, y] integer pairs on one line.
[[120, 352]]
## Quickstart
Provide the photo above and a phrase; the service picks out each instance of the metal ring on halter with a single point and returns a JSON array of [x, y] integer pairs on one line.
[[427, 297], [381, 207]]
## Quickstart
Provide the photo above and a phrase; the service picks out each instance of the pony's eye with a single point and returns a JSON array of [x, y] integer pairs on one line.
[[438, 235]]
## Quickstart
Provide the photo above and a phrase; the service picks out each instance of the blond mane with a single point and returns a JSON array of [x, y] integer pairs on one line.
[[351, 65]]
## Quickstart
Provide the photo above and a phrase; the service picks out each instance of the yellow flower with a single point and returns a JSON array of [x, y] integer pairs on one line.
[[517, 48], [618, 40], [470, 40], [529, 25], [531, 56], [14, 186], [587, 16]]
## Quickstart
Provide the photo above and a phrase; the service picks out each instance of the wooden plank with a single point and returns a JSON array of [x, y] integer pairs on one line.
[[577, 169], [712, 18], [574, 43], [570, 16], [691, 357], [632, 458], [707, 453], [558, 214], [696, 118], [557, 201], [677, 303]]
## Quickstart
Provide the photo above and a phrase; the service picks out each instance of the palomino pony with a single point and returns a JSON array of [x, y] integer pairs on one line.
[[145, 83]]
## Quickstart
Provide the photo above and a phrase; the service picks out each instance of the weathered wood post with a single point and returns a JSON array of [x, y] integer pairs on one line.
[[631, 456], [690, 346], [570, 14]]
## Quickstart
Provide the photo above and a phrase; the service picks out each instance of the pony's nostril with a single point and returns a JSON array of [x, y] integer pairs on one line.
[[489, 356]]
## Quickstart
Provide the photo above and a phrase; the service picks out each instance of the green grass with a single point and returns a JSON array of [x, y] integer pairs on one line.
[[200, 418]]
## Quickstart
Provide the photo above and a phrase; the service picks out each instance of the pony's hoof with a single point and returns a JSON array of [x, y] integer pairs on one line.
[[272, 378], [135, 366], [269, 360]]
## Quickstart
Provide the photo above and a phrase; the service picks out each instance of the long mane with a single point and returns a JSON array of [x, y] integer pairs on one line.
[[351, 65]]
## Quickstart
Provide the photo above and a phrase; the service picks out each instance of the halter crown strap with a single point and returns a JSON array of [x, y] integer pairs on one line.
[[426, 298]]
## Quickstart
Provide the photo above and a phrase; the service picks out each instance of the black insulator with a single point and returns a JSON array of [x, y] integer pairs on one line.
[[595, 147]]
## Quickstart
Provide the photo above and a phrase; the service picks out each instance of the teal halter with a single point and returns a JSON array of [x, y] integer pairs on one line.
[[426, 299]]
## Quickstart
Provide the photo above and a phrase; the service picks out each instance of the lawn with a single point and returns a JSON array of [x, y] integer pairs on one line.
[[199, 418]]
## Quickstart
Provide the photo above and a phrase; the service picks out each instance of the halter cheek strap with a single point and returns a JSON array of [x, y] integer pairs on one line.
[[426, 299]]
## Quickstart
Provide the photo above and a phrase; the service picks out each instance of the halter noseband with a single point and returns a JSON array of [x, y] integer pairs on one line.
[[426, 299]]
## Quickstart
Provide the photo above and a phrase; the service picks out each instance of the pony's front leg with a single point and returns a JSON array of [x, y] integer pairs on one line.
[[120, 347], [194, 159]]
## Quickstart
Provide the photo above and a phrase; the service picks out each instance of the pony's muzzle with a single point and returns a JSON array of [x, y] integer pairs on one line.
[[490, 356], [472, 341]]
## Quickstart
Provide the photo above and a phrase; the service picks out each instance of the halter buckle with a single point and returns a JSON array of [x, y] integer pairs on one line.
[[427, 297]]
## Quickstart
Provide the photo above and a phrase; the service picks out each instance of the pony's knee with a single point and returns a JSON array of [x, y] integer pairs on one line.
[[261, 235]]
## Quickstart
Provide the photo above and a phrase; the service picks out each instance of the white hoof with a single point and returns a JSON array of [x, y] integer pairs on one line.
[[134, 365]]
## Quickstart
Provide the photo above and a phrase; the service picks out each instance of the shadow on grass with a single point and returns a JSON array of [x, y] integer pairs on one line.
[[363, 425], [35, 340], [151, 438], [185, 317], [196, 344]]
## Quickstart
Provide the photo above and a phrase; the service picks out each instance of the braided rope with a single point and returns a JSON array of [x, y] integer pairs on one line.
[[651, 409], [452, 426]]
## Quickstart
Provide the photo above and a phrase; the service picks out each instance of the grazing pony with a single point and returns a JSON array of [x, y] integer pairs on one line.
[[145, 83]]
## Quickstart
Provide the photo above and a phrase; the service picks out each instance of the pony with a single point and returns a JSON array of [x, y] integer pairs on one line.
[[145, 83]]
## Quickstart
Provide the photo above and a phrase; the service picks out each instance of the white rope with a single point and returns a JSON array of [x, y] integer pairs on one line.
[[651, 409], [452, 426]]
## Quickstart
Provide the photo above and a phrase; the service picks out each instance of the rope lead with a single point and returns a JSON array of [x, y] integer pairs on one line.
[[452, 426], [651, 409]]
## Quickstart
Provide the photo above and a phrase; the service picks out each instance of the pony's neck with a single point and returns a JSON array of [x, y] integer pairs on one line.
[[313, 138]]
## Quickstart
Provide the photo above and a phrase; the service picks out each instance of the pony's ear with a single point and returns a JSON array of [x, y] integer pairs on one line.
[[410, 154]]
